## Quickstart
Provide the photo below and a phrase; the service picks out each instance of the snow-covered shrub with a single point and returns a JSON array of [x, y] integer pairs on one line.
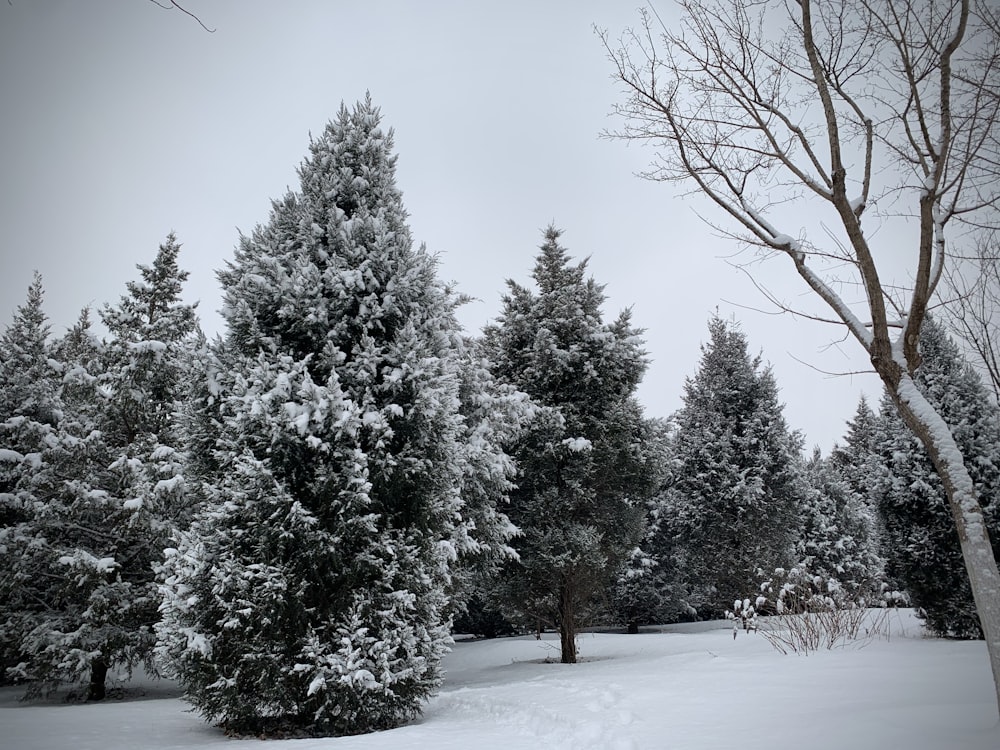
[[808, 612]]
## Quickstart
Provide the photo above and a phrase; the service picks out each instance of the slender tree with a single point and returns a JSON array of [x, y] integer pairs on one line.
[[862, 110], [732, 505], [105, 491], [583, 476], [29, 410]]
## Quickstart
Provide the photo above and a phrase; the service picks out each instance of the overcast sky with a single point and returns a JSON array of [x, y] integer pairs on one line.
[[122, 121]]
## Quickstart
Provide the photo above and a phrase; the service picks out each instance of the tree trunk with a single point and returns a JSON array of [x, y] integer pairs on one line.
[[633, 627], [98, 675], [567, 623], [977, 551]]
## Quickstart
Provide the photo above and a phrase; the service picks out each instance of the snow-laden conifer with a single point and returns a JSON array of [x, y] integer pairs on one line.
[[732, 504], [107, 489], [921, 544], [584, 473], [29, 414], [838, 541], [310, 594]]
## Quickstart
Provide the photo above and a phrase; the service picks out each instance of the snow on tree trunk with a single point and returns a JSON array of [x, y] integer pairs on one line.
[[973, 535]]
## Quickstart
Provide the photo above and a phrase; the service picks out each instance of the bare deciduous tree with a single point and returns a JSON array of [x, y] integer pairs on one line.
[[869, 125], [971, 308]]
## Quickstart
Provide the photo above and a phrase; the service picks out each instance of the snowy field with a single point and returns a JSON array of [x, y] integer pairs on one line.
[[687, 687]]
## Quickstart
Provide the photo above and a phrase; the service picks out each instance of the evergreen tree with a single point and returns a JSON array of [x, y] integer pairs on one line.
[[921, 545], [638, 596], [838, 543], [42, 572], [735, 490], [309, 595], [583, 473], [107, 490], [29, 412], [495, 414]]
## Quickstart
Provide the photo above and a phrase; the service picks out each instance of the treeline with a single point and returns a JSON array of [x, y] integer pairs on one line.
[[290, 519]]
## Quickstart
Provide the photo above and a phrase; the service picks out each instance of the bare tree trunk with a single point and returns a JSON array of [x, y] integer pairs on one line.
[[567, 623], [98, 676], [977, 551]]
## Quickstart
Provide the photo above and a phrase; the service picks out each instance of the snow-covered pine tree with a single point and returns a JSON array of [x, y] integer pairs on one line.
[[108, 491], [859, 463], [838, 543], [146, 367], [40, 579], [309, 596], [583, 474], [856, 460], [638, 596], [29, 412], [495, 414], [921, 545], [80, 355], [732, 504]]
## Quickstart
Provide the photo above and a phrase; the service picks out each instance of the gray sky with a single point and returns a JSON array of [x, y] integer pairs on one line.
[[122, 122]]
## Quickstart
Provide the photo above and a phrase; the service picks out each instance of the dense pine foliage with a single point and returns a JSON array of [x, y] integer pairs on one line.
[[91, 504], [311, 594]]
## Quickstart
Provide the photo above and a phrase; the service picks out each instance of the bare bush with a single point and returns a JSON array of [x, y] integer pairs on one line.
[[799, 613]]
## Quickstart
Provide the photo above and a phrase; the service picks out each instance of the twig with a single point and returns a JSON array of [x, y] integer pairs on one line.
[[174, 4]]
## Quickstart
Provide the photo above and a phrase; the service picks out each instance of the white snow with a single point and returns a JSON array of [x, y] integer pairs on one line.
[[577, 444], [140, 347], [684, 687], [788, 241], [169, 485], [9, 456]]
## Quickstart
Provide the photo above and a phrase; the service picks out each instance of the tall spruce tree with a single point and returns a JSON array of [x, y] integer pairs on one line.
[[638, 596], [29, 412], [106, 491], [731, 507], [921, 544], [583, 472], [856, 460], [310, 594], [44, 560]]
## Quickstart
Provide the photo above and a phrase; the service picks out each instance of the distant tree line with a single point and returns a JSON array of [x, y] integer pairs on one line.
[[293, 517]]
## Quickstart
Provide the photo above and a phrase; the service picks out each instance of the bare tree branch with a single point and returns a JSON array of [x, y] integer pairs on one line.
[[173, 4], [972, 312]]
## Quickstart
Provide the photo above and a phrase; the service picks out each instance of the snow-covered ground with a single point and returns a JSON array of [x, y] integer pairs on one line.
[[686, 687]]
